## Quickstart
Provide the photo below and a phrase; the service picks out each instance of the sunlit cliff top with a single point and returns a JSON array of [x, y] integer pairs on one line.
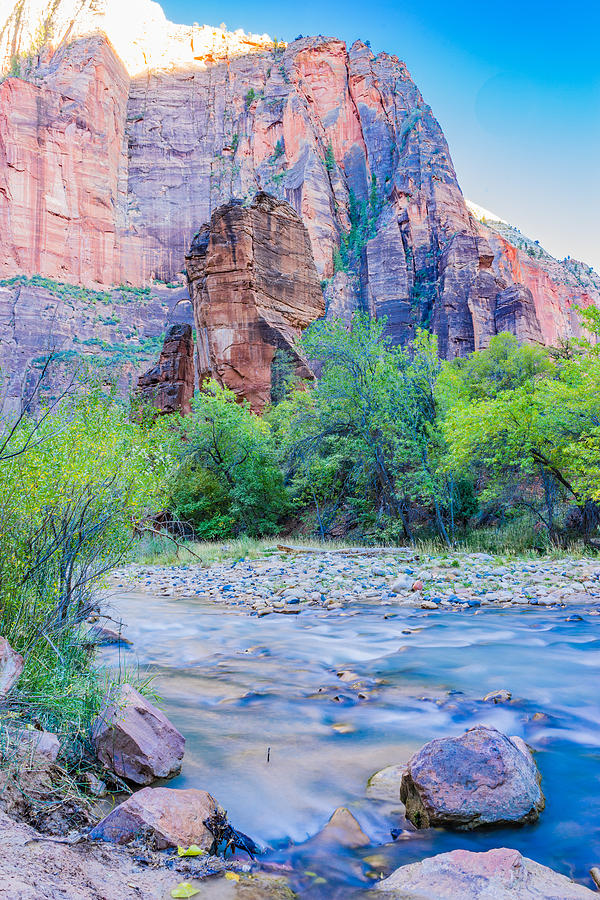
[[138, 30]]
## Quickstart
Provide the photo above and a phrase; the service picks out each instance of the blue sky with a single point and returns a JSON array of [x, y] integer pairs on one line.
[[515, 86]]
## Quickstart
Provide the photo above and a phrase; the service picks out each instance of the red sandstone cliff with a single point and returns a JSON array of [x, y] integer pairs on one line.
[[254, 288], [114, 150]]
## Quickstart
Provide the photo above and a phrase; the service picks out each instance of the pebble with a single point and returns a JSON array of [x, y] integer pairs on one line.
[[502, 696], [333, 580]]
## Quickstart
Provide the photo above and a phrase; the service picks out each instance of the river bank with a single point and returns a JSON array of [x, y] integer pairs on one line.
[[281, 578]]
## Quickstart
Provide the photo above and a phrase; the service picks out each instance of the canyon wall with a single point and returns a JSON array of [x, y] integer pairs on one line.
[[121, 134]]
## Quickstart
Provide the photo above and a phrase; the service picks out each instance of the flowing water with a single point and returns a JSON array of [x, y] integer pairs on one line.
[[281, 741]]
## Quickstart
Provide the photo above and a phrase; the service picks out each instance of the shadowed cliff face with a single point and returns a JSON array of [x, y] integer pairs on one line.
[[169, 385], [108, 168]]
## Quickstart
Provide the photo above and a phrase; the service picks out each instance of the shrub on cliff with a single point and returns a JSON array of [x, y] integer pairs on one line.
[[228, 482]]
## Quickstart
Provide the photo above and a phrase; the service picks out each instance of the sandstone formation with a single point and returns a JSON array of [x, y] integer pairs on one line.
[[135, 740], [11, 666], [166, 816], [120, 134], [254, 287], [501, 874], [480, 778], [169, 385]]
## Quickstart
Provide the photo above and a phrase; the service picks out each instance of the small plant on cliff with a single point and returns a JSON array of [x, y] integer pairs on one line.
[[282, 376], [329, 158], [363, 216], [250, 98]]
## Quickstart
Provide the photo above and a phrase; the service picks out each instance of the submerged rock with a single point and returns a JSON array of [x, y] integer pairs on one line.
[[481, 778], [344, 829], [385, 784], [255, 886], [165, 817], [501, 696], [500, 874], [11, 666], [135, 740], [103, 635]]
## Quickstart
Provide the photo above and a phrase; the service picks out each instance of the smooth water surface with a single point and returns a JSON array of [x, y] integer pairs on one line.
[[281, 741]]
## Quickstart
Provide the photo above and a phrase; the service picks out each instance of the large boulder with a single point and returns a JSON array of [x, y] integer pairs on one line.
[[165, 817], [500, 874], [481, 778], [135, 740], [11, 666]]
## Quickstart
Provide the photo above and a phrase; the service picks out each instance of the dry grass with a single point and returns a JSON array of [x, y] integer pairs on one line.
[[501, 544]]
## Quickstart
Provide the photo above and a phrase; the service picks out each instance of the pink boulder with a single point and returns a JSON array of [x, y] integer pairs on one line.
[[11, 666], [418, 586], [165, 817], [500, 874], [32, 743], [478, 779], [135, 740]]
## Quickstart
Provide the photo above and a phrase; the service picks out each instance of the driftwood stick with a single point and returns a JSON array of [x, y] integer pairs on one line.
[[147, 527]]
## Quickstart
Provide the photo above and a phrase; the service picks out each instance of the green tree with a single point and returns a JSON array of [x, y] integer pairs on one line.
[[535, 444], [373, 409], [76, 479], [228, 481]]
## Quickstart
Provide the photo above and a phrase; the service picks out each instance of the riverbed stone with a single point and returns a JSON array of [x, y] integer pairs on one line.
[[163, 817], [500, 874], [402, 583], [135, 740], [28, 745], [478, 779], [344, 829], [11, 666], [385, 784]]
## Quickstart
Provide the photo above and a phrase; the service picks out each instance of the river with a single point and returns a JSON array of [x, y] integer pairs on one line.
[[281, 741]]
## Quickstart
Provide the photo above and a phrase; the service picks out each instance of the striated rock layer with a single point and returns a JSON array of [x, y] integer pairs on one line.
[[254, 287], [121, 133]]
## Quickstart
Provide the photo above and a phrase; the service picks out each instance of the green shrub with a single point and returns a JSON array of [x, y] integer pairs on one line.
[[228, 482], [73, 483]]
